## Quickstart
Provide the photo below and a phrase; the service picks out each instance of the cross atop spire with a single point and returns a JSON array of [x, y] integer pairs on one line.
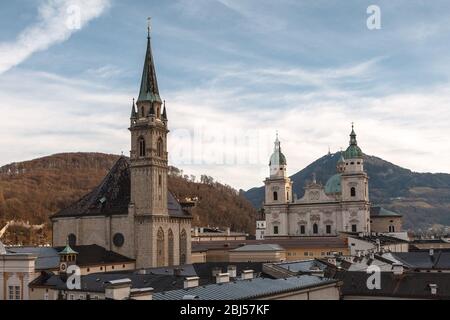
[[149, 26]]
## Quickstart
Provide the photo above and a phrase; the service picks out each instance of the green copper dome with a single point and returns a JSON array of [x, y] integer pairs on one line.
[[333, 184], [353, 151], [277, 158]]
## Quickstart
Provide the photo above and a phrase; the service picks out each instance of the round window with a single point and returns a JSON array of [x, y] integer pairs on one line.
[[118, 240]]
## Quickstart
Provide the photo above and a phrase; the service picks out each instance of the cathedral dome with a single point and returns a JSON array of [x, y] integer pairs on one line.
[[278, 159], [353, 152], [333, 185]]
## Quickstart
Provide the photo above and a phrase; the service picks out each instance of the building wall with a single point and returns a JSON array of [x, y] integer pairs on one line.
[[299, 254], [257, 256], [16, 271], [382, 224]]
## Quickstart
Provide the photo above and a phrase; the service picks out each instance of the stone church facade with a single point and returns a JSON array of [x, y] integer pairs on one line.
[[132, 212], [342, 205]]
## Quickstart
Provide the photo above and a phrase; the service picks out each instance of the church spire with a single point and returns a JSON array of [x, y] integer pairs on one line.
[[353, 141], [149, 83], [133, 110]]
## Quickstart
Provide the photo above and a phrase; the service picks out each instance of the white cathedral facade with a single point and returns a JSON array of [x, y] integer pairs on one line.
[[342, 205]]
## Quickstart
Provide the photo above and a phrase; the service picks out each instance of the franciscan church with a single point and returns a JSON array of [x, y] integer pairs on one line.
[[342, 205], [132, 212]]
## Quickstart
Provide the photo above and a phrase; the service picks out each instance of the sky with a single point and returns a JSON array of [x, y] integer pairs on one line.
[[233, 73]]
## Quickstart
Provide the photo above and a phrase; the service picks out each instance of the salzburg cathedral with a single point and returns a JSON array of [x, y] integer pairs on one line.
[[342, 205], [132, 212]]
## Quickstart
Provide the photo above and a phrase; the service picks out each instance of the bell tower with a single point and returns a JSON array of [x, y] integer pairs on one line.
[[148, 156]]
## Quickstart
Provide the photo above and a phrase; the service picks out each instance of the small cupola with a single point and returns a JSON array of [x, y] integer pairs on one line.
[[67, 258]]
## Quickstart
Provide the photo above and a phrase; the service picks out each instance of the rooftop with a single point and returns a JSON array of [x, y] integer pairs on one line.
[[48, 258], [112, 197], [246, 289]]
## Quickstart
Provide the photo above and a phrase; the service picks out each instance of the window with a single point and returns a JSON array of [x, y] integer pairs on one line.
[[275, 196], [71, 297], [315, 228], [11, 292], [302, 230], [306, 254], [354, 228], [46, 296], [17, 292], [287, 196], [353, 192], [160, 147], [142, 112], [142, 147], [391, 229], [275, 230], [160, 180], [72, 239], [328, 229]]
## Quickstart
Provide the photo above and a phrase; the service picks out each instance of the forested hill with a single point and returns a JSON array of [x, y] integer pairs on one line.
[[31, 191]]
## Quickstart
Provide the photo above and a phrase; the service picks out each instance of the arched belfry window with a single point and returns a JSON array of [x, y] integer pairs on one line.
[[275, 196], [160, 250], [183, 247], [160, 147], [142, 147], [353, 192]]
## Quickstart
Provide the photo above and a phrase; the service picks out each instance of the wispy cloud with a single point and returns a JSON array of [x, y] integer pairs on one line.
[[57, 21]]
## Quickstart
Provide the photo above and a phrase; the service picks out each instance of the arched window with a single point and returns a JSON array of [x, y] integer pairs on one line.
[[142, 112], [315, 228], [142, 147], [302, 229], [275, 196], [171, 248], [183, 247], [160, 261], [353, 192], [160, 147]]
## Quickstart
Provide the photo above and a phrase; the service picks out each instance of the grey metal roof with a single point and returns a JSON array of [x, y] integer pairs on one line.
[[422, 259], [47, 257], [303, 266], [246, 289], [259, 247]]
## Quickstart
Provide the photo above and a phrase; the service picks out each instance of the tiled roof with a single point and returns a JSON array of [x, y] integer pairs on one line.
[[259, 247], [48, 258], [246, 289], [112, 197], [298, 242], [382, 212]]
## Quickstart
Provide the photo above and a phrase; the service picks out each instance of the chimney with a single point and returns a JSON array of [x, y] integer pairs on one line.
[[177, 272], [228, 231], [232, 271], [397, 269], [431, 253], [223, 278], [332, 261], [433, 288], [195, 232], [216, 271], [191, 282], [144, 294], [247, 274], [118, 289]]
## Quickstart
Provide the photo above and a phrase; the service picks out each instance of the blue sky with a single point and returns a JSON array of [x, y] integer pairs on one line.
[[233, 72]]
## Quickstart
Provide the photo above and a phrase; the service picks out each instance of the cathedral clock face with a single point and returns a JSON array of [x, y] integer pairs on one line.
[[63, 267]]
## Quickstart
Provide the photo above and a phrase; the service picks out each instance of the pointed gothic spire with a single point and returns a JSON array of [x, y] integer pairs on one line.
[[164, 114], [149, 83], [133, 110]]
